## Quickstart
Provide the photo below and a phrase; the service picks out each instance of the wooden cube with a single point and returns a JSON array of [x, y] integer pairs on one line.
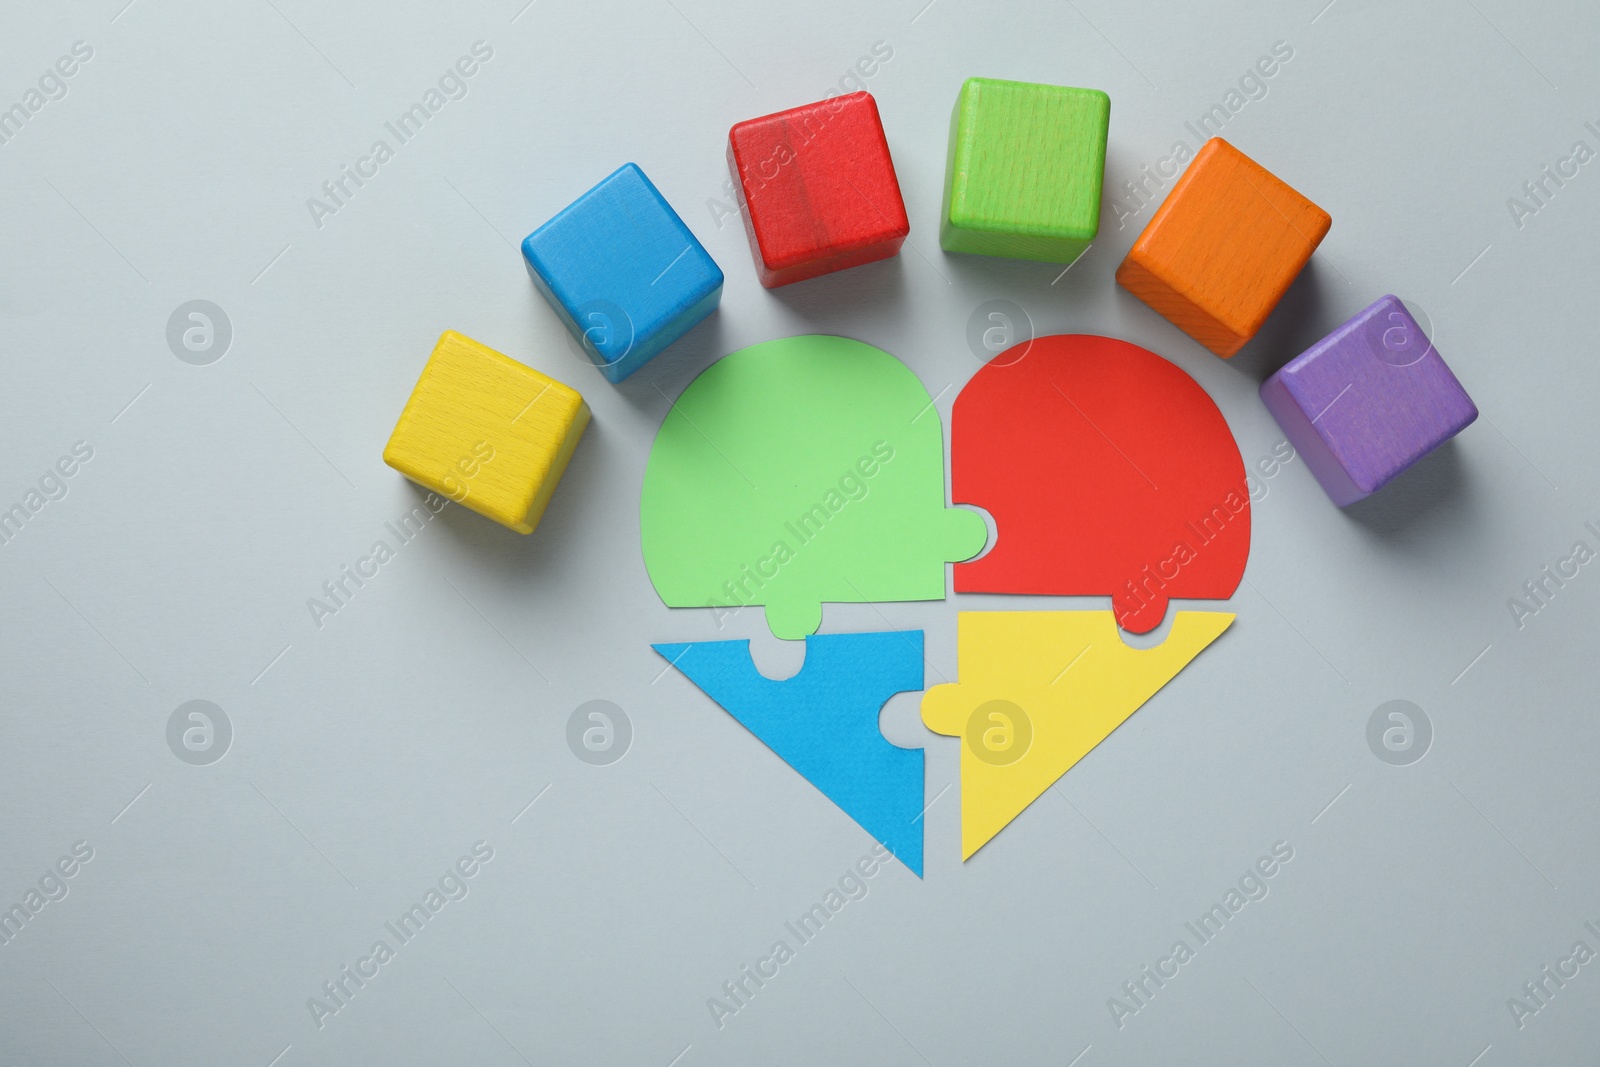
[[818, 189], [487, 432], [623, 272], [1367, 401], [1223, 247], [1024, 170]]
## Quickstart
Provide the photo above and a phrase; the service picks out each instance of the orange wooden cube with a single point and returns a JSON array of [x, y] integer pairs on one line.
[[1222, 249]]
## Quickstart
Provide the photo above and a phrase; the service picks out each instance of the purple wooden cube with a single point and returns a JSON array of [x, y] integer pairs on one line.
[[1367, 401]]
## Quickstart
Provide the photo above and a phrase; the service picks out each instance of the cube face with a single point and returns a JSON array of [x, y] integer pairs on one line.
[[1223, 248], [818, 189], [623, 272], [1368, 401], [487, 432], [1025, 169]]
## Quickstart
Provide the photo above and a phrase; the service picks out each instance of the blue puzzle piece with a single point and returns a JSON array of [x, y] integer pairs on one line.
[[623, 272], [823, 722]]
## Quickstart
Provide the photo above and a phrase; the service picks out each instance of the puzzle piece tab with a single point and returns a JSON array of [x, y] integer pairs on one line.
[[823, 722], [1038, 690]]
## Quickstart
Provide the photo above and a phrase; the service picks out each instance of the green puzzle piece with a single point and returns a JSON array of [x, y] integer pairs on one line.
[[1024, 171], [799, 471]]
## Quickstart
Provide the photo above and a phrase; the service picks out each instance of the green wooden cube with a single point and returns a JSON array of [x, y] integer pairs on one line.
[[1024, 172]]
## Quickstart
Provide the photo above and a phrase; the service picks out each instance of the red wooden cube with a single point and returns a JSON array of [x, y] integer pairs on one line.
[[818, 189]]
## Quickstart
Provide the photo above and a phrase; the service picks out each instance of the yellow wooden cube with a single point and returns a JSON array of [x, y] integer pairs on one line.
[[487, 432]]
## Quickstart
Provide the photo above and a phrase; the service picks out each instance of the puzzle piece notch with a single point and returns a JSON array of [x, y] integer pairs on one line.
[[1223, 248], [796, 472], [486, 431], [817, 188], [623, 272], [823, 721], [1107, 470], [1037, 691], [1368, 401]]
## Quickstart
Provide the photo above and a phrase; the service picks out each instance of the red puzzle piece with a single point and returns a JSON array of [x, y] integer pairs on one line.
[[1108, 470], [818, 189]]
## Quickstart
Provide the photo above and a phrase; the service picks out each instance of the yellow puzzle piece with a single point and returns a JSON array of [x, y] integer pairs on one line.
[[487, 432], [1038, 690]]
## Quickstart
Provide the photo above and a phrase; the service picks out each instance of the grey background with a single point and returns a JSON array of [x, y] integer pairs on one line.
[[370, 754]]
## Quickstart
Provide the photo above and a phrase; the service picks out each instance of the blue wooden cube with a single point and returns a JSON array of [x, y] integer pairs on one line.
[[623, 272], [1367, 401]]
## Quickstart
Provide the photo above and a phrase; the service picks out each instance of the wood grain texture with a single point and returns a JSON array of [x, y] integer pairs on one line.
[[1024, 171], [487, 432], [623, 272], [1223, 248], [817, 188], [1367, 401]]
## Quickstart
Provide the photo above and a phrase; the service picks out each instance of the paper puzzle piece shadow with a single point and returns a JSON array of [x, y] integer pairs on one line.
[[1037, 691], [797, 472], [823, 722]]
